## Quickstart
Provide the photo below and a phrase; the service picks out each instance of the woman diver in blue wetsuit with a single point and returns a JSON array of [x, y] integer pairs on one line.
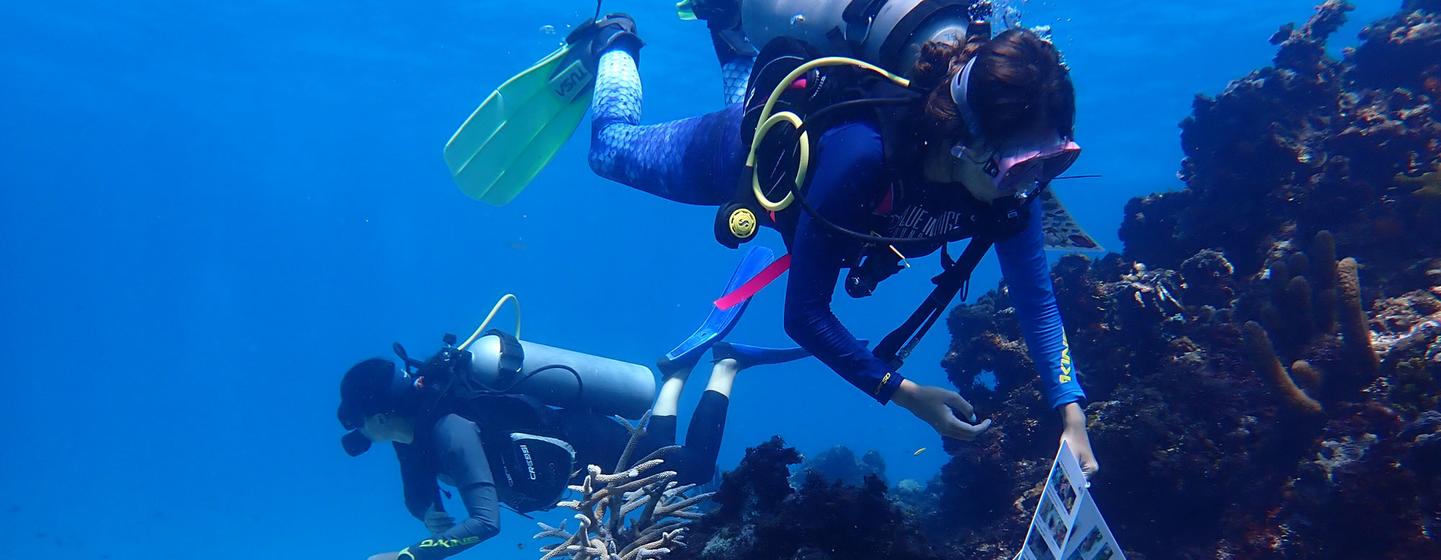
[[982, 124]]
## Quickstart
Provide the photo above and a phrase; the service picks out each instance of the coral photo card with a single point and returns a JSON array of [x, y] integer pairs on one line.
[[1067, 525]]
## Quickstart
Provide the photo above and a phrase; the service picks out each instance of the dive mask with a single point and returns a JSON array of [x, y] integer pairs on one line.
[[1020, 169], [355, 443], [371, 387], [1023, 170]]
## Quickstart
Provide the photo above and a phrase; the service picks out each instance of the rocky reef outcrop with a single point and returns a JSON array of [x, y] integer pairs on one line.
[[1262, 361], [1312, 143], [759, 515]]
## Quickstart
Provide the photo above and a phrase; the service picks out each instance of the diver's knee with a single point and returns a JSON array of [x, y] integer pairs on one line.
[[796, 324], [605, 150], [595, 158], [698, 473]]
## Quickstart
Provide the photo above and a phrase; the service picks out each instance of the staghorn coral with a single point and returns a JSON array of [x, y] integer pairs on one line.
[[634, 513]]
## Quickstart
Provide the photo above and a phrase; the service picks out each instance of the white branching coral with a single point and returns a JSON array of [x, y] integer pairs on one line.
[[636, 512]]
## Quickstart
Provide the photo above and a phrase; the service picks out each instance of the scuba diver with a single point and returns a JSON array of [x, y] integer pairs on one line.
[[934, 132], [511, 423]]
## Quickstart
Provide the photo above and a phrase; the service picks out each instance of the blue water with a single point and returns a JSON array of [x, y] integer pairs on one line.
[[210, 210]]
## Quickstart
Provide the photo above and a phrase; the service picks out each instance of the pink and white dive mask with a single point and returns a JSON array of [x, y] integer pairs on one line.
[[1020, 169]]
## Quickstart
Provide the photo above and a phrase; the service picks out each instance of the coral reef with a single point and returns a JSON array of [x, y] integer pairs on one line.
[[1304, 295], [1253, 394], [840, 464], [1311, 143], [656, 507], [762, 517], [1258, 345], [1262, 362]]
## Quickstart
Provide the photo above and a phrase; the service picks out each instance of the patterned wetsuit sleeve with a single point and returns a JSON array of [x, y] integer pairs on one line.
[[847, 174], [1028, 274], [695, 160], [461, 457], [735, 70]]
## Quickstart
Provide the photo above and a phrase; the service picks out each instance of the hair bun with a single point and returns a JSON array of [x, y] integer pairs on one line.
[[934, 64]]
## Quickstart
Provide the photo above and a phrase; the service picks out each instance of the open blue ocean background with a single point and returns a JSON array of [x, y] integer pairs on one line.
[[209, 210]]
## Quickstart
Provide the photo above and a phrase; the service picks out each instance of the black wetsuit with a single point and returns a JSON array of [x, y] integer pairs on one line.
[[453, 450]]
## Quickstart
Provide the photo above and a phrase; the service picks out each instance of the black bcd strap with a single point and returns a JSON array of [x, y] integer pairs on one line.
[[512, 356], [896, 346]]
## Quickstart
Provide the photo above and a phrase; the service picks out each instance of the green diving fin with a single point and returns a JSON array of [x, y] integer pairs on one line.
[[685, 10], [520, 127]]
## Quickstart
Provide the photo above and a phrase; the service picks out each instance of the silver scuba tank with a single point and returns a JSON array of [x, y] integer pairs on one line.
[[887, 33], [562, 378]]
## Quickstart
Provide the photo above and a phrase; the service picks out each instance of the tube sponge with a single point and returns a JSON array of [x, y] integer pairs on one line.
[[1263, 356], [1323, 259], [1355, 334], [1308, 374], [1323, 274], [1298, 304]]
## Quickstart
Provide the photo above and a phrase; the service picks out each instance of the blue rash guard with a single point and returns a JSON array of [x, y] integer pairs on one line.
[[698, 160], [849, 176]]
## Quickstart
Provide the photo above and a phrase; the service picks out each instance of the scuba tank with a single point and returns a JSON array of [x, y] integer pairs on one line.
[[560, 377], [888, 33], [496, 363], [503, 385]]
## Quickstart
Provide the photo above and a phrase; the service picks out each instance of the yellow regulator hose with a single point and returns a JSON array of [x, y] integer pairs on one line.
[[493, 310], [767, 120]]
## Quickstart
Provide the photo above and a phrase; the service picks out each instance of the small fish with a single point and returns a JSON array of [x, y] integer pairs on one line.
[[517, 245], [918, 452], [520, 546]]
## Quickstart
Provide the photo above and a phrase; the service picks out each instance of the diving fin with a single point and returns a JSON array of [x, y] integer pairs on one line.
[[685, 10], [749, 356], [1060, 230], [521, 126], [720, 321]]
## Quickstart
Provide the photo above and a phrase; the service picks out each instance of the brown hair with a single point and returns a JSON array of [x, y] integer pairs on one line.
[[1018, 84]]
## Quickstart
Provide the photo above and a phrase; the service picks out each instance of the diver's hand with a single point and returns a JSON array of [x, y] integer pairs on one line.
[[385, 556], [942, 408], [438, 522], [1074, 434]]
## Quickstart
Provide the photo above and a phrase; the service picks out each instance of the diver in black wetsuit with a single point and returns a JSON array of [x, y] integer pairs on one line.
[[500, 447]]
